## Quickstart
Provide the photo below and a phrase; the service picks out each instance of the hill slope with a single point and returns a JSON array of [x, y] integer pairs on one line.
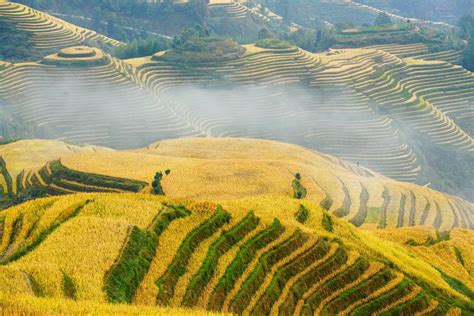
[[49, 32], [229, 169], [142, 249], [400, 116]]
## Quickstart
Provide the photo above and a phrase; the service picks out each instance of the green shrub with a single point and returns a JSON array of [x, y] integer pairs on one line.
[[273, 43], [156, 184], [299, 191], [302, 214], [204, 49], [327, 222], [141, 48], [459, 256]]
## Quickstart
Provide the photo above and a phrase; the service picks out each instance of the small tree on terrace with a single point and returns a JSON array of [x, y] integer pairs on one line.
[[156, 184], [383, 19], [299, 191]]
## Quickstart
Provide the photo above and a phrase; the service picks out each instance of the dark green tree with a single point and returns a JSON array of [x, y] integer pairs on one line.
[[468, 59], [299, 191], [466, 26], [383, 19], [156, 184], [264, 33]]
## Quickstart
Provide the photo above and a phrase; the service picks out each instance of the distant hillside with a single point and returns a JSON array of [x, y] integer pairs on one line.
[[130, 20], [48, 32], [399, 110], [438, 10], [310, 13]]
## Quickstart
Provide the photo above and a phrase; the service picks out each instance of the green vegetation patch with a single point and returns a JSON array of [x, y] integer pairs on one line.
[[42, 236], [16, 44], [419, 303], [316, 274], [243, 258], [61, 172], [273, 43], [458, 254], [197, 49], [403, 289], [141, 48], [302, 214], [335, 284], [167, 282], [69, 287], [263, 267], [346, 298], [127, 273], [457, 285], [223, 244], [35, 286], [327, 222], [283, 275], [299, 191]]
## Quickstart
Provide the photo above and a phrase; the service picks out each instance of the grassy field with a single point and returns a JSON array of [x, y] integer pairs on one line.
[[73, 247], [227, 169]]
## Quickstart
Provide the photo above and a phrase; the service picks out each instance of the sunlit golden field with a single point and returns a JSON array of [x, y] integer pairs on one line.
[[161, 185], [226, 169], [86, 245]]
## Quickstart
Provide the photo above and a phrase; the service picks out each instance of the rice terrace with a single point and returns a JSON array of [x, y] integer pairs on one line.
[[252, 157]]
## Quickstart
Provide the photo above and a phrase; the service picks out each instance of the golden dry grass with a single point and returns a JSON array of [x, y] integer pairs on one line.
[[86, 246], [30, 305], [226, 169], [241, 175]]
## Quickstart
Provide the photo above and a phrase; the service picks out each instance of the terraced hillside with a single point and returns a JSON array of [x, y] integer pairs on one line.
[[341, 92], [49, 32], [362, 105], [145, 250], [234, 10], [420, 51], [229, 169], [20, 160], [85, 96]]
